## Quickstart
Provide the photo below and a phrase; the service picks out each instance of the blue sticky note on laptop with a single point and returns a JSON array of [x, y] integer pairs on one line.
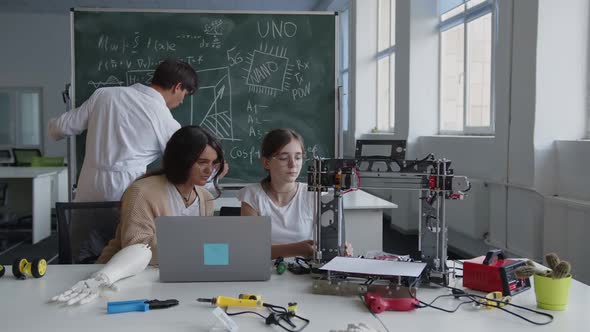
[[216, 253]]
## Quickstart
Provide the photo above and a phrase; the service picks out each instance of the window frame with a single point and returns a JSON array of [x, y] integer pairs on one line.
[[380, 55], [466, 16], [344, 67], [15, 93]]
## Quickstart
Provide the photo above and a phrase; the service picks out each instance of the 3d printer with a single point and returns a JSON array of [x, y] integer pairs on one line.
[[381, 164]]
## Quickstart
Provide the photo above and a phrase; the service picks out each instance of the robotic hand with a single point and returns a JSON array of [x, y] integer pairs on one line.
[[126, 263]]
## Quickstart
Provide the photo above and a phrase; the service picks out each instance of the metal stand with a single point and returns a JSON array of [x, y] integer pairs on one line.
[[71, 148]]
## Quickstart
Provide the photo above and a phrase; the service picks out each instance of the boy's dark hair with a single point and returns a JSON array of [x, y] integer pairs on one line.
[[173, 71], [184, 149], [273, 142]]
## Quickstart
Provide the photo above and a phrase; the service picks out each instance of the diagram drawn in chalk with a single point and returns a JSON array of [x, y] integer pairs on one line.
[[216, 89], [269, 70], [111, 81]]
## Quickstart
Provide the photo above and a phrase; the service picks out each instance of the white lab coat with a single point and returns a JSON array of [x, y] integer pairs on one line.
[[128, 128]]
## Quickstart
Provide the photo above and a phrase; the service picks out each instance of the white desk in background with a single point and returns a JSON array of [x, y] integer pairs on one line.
[[25, 306], [49, 184], [363, 218]]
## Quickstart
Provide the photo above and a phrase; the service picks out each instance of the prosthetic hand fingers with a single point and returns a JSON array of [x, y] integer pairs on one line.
[[68, 293], [69, 296], [58, 297], [91, 297], [79, 297]]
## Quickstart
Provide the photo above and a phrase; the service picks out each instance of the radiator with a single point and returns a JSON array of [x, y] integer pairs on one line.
[[567, 233]]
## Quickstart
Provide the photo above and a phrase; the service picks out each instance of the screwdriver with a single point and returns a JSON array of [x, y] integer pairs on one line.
[[225, 301]]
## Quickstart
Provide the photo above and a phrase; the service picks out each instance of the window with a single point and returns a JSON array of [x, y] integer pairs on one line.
[[20, 117], [385, 65], [466, 67], [343, 64]]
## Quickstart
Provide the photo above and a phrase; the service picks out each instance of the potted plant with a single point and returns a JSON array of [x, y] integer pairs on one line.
[[552, 286]]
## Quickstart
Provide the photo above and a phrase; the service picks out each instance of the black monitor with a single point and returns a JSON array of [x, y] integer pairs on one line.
[[6, 156]]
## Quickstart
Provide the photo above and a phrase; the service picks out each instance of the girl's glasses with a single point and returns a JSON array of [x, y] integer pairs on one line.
[[284, 159]]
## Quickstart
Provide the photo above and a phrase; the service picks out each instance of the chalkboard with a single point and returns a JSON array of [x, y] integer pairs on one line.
[[257, 71]]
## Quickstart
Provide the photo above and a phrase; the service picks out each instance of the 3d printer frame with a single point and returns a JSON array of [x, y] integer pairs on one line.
[[381, 164]]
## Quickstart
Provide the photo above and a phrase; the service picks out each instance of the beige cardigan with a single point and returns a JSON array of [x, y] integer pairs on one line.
[[142, 202]]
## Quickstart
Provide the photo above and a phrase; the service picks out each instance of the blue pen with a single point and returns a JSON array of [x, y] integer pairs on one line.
[[139, 305]]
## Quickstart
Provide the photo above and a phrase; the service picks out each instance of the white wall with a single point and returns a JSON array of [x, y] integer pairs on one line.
[[573, 180], [36, 53], [363, 68], [540, 75], [561, 83]]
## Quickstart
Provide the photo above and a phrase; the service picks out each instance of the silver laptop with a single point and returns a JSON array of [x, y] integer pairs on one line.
[[213, 248]]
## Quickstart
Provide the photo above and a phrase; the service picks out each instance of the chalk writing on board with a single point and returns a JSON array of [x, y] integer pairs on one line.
[[233, 57], [251, 153], [256, 119], [139, 76], [110, 81], [256, 72], [303, 88], [276, 29], [268, 72], [248, 153]]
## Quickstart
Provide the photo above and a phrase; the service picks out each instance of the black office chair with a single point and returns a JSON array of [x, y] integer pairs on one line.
[[84, 229], [24, 157], [230, 211], [5, 216]]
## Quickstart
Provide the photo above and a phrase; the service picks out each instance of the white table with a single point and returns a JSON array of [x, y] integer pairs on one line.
[[49, 184], [25, 306], [363, 218]]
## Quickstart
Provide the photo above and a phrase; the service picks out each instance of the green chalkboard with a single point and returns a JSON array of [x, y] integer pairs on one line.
[[257, 71]]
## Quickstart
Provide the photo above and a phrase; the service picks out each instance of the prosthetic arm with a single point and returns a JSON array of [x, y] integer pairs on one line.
[[126, 263]]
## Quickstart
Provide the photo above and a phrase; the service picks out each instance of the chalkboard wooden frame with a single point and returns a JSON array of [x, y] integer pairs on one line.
[[337, 134]]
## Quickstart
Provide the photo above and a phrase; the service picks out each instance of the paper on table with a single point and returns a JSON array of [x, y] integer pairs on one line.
[[374, 267]]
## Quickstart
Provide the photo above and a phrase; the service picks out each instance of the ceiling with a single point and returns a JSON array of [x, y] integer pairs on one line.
[[63, 6]]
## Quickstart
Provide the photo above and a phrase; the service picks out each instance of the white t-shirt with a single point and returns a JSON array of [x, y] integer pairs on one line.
[[290, 223], [177, 206]]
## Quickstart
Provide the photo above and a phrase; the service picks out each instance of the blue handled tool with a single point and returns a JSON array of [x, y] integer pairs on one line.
[[139, 305]]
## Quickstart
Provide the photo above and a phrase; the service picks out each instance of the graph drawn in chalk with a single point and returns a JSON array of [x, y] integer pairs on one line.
[[216, 89], [111, 81], [269, 70]]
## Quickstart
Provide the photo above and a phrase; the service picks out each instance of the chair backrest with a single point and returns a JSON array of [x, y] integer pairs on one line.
[[6, 157], [24, 157], [84, 229], [47, 161], [3, 193], [230, 211]]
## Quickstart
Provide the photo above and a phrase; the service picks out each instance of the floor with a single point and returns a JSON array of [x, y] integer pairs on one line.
[[15, 243]]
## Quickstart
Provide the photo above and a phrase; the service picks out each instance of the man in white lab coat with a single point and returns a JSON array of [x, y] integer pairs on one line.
[[128, 128]]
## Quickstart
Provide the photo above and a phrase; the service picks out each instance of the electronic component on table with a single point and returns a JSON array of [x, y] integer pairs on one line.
[[494, 273]]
